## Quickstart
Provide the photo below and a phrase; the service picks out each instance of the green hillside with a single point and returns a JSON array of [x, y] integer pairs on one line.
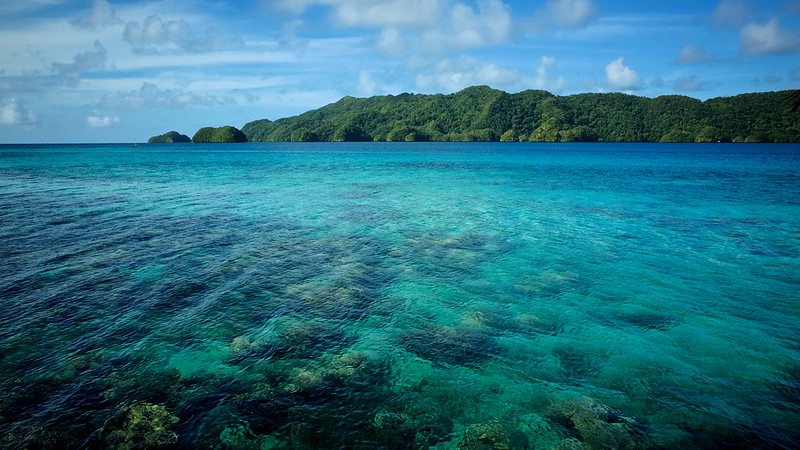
[[484, 114], [220, 135], [170, 137]]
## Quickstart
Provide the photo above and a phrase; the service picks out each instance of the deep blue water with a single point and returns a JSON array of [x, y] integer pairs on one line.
[[400, 296]]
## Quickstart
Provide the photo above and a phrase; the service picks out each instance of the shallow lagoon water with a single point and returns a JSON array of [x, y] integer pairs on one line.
[[400, 296]]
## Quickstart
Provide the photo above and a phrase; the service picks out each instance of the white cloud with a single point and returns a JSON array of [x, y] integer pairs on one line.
[[695, 54], [767, 39], [150, 96], [453, 75], [102, 121], [155, 31], [408, 27], [733, 13], [101, 15], [490, 25], [176, 34], [620, 76], [392, 42], [12, 112], [568, 13], [366, 85], [464, 28], [542, 79]]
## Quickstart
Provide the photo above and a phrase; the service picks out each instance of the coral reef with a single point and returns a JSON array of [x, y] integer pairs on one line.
[[142, 426], [454, 346], [492, 436], [599, 427]]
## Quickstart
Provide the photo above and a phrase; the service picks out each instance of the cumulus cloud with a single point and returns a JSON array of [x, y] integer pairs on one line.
[[571, 14], [150, 96], [407, 27], [456, 74], [733, 13], [155, 33], [695, 54], [96, 121], [768, 39], [70, 73], [12, 112], [620, 76], [462, 27], [542, 79], [465, 28], [101, 15]]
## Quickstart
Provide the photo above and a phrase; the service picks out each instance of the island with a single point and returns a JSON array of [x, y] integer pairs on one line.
[[220, 135], [170, 137], [481, 113]]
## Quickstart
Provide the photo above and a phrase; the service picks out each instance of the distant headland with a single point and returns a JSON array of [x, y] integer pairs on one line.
[[170, 137], [481, 113], [205, 135]]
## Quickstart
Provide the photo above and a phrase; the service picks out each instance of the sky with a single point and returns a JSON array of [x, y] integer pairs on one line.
[[122, 71]]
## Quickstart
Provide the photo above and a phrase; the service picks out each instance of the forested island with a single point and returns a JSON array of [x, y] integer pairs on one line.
[[220, 135], [170, 137], [484, 114], [205, 135]]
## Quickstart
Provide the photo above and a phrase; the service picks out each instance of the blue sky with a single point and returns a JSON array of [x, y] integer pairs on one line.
[[121, 71]]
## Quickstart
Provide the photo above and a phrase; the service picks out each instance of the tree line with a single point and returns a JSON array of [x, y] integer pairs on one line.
[[484, 114]]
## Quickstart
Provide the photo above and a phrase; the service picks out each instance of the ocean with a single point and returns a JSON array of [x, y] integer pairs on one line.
[[378, 295]]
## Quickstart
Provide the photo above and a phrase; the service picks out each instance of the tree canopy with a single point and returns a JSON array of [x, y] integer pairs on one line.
[[226, 134], [169, 138], [483, 114]]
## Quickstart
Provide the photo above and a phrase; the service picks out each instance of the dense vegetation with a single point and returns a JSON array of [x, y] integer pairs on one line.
[[484, 114], [226, 134], [169, 138]]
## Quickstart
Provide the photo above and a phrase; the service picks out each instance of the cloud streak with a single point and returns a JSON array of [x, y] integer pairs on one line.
[[150, 96], [689, 84], [768, 39], [155, 34], [571, 14], [695, 54], [733, 13]]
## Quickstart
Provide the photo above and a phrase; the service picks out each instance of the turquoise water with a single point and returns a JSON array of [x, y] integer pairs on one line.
[[400, 296]]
